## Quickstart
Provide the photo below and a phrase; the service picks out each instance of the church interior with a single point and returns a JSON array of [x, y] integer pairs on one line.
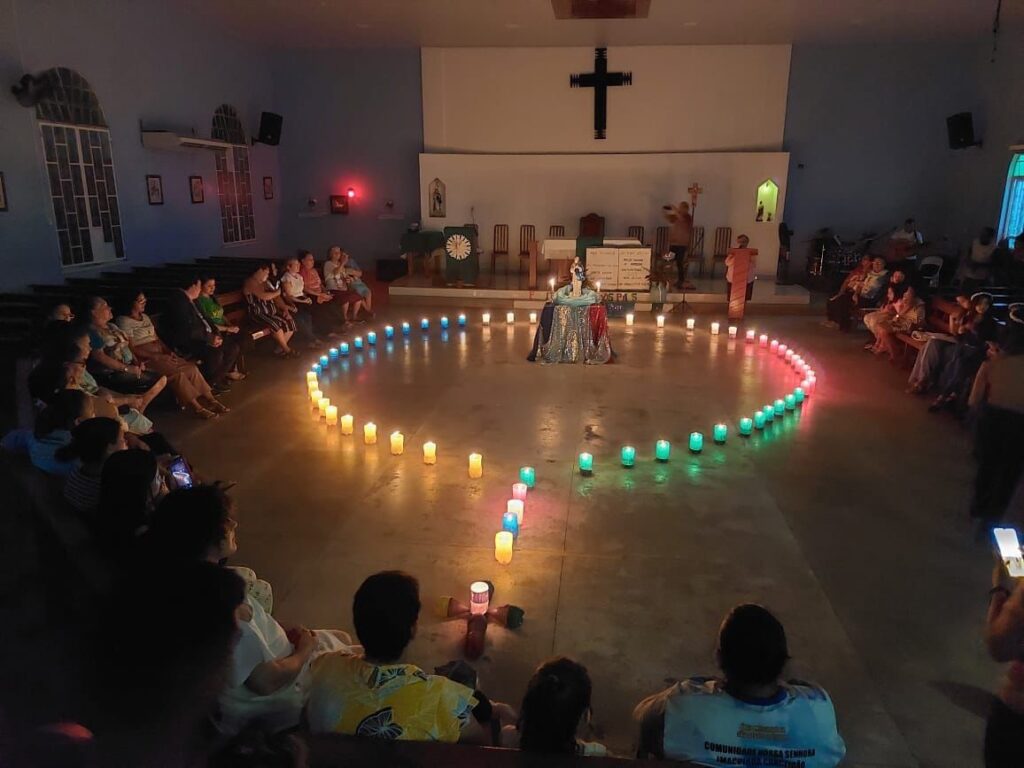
[[536, 383]]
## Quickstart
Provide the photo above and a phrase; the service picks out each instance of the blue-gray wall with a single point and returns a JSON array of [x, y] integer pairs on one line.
[[146, 61]]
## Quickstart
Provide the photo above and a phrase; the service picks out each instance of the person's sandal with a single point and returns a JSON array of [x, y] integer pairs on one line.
[[204, 413], [218, 407]]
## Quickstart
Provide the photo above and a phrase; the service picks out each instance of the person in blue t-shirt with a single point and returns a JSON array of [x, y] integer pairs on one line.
[[749, 717]]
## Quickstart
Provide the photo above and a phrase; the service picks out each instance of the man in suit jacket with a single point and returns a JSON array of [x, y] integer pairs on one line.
[[184, 329]]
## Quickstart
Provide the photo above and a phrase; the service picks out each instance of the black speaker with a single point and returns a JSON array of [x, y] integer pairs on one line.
[[961, 130], [270, 129]]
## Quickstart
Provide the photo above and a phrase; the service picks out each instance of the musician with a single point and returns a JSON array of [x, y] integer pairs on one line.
[[679, 236]]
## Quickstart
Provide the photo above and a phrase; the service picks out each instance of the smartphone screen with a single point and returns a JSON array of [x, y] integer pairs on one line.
[[1009, 550], [180, 472]]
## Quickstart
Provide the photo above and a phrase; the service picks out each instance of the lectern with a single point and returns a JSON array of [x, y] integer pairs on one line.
[[742, 262]]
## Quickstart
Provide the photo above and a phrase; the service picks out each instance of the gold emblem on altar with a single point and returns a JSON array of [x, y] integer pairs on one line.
[[458, 247]]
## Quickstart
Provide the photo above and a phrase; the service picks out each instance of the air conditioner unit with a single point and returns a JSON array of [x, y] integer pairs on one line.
[[170, 141]]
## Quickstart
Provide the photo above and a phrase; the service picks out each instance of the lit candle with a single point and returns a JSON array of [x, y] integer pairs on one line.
[[598, 285], [310, 376], [733, 330], [430, 452], [371, 338], [780, 407], [750, 337], [519, 491], [346, 424], [317, 368], [774, 346], [586, 463], [628, 454], [763, 340], [462, 320], [809, 385], [662, 450], [660, 320], [397, 443], [503, 547], [790, 400], [746, 425], [811, 374], [510, 317], [629, 318], [333, 353], [782, 350], [696, 442], [528, 475], [769, 413], [485, 318], [324, 361], [758, 420], [322, 404], [714, 329], [314, 397], [389, 332], [690, 323], [510, 523], [533, 318], [798, 395], [370, 433], [517, 507], [343, 348], [551, 284], [479, 598], [357, 342], [444, 322], [476, 465], [720, 432], [332, 415], [311, 386], [789, 355], [405, 329]]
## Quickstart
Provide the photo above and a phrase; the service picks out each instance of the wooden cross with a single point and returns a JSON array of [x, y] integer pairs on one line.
[[695, 190], [600, 80]]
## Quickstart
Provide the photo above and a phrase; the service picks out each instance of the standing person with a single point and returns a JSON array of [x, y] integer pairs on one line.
[[186, 331], [679, 236], [1004, 636], [976, 268], [785, 254], [264, 312], [743, 244]]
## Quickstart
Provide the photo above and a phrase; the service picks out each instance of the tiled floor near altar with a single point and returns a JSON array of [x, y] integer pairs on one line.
[[848, 521]]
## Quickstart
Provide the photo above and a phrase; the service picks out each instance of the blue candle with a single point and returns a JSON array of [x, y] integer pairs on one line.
[[798, 395], [357, 342], [344, 348], [510, 523], [528, 475], [746, 425], [323, 360], [371, 338], [317, 368], [389, 332], [790, 402], [444, 322], [462, 321], [696, 442], [424, 324], [758, 420], [662, 449], [780, 407], [628, 455], [769, 413], [720, 432], [586, 463], [405, 329], [333, 352]]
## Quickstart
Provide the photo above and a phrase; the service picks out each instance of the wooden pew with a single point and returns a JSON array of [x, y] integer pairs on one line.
[[937, 321]]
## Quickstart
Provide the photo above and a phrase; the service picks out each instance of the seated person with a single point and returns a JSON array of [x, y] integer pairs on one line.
[[708, 719], [976, 338], [932, 358], [906, 234], [46, 444], [375, 694], [742, 243], [264, 312], [326, 310], [556, 704], [190, 387], [862, 290], [92, 442], [893, 292], [337, 281], [976, 268], [214, 313], [293, 294], [355, 277], [185, 331], [111, 360], [131, 485], [908, 315]]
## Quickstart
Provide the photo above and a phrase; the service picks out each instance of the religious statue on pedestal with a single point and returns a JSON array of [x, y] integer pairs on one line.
[[578, 273]]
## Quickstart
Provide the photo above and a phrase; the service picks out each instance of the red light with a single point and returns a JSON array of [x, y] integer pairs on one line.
[[351, 192]]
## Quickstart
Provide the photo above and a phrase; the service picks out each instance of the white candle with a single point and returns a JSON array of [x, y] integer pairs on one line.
[[516, 506], [370, 433], [533, 318], [314, 397], [629, 318], [763, 340], [485, 318], [397, 443], [346, 424], [476, 465], [690, 323], [430, 452], [660, 320], [750, 337], [479, 598], [322, 404], [714, 329], [733, 330], [510, 317]]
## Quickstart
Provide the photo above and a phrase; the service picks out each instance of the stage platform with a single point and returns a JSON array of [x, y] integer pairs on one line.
[[500, 291]]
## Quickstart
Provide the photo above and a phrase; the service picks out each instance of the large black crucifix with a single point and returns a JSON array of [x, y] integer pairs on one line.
[[600, 80]]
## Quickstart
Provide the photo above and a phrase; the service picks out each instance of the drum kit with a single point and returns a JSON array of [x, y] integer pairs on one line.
[[830, 255]]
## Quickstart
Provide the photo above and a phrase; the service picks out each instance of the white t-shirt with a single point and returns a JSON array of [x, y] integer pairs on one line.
[[292, 285], [901, 235]]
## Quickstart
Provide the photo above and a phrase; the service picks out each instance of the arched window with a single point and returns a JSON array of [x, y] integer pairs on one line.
[[80, 168], [234, 185], [1011, 222]]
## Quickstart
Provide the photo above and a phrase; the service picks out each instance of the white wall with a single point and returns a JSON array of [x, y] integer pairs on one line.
[[683, 98], [627, 189]]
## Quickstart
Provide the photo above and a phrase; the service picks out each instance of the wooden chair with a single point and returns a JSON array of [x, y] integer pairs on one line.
[[723, 240], [527, 233], [636, 232], [500, 245], [695, 253], [658, 251], [592, 225], [556, 230]]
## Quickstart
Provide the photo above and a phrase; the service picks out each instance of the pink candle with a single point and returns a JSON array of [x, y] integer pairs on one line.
[[781, 350], [763, 340], [774, 346], [789, 355], [519, 491]]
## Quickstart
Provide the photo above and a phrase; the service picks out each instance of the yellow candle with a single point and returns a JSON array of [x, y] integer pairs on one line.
[[332, 415], [660, 320], [346, 424], [517, 507], [311, 387], [314, 397], [322, 404], [370, 433], [397, 443], [476, 465], [533, 318], [430, 452], [503, 547], [629, 318], [311, 377]]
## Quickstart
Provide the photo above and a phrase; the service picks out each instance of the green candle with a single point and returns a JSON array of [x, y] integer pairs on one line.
[[769, 412], [586, 463], [528, 475], [780, 407], [790, 402], [720, 432], [758, 420], [798, 395], [696, 442], [628, 455], [746, 425], [662, 450]]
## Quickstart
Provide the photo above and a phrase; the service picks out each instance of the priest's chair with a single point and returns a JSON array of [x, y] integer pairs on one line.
[[592, 225]]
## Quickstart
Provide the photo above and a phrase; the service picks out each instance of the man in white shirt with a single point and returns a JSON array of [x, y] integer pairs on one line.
[[907, 233], [748, 713]]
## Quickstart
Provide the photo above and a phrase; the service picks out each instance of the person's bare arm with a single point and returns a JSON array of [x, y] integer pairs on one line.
[[1004, 628], [271, 676], [261, 292], [107, 361]]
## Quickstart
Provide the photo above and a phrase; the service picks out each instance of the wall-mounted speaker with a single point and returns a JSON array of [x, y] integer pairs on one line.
[[961, 130], [270, 129]]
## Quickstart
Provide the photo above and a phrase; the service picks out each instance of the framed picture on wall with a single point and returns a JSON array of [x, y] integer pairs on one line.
[[155, 190], [3, 193], [195, 188], [268, 187], [438, 199]]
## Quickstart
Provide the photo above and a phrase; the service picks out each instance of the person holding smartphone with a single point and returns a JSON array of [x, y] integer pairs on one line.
[[1004, 636]]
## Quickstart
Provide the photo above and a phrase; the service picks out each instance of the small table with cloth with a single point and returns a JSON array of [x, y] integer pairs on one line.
[[573, 330]]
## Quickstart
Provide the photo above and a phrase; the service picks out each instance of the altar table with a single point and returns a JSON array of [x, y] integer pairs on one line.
[[572, 335]]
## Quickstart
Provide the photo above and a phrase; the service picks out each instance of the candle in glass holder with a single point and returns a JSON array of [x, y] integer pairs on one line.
[[357, 342], [790, 401], [462, 320], [485, 318], [346, 424], [510, 523], [781, 351], [758, 420], [769, 413], [406, 328], [629, 318], [714, 329], [424, 324], [370, 433], [397, 443], [333, 353], [430, 452], [322, 404], [719, 432], [510, 317], [746, 425], [343, 348], [750, 337], [371, 338], [733, 331], [696, 442], [798, 395], [444, 322], [586, 462], [809, 385], [597, 285], [503, 547], [519, 491], [317, 368], [324, 361], [690, 323], [479, 598], [331, 415], [660, 321], [662, 450], [389, 332], [517, 507], [312, 386], [528, 475], [476, 465], [314, 397], [780, 406], [789, 355], [533, 318], [763, 340], [774, 346], [310, 377], [628, 455]]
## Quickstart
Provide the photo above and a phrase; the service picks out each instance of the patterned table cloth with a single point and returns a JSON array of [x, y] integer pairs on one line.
[[572, 335]]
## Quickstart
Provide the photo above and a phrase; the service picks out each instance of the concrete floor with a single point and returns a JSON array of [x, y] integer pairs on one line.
[[848, 521]]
